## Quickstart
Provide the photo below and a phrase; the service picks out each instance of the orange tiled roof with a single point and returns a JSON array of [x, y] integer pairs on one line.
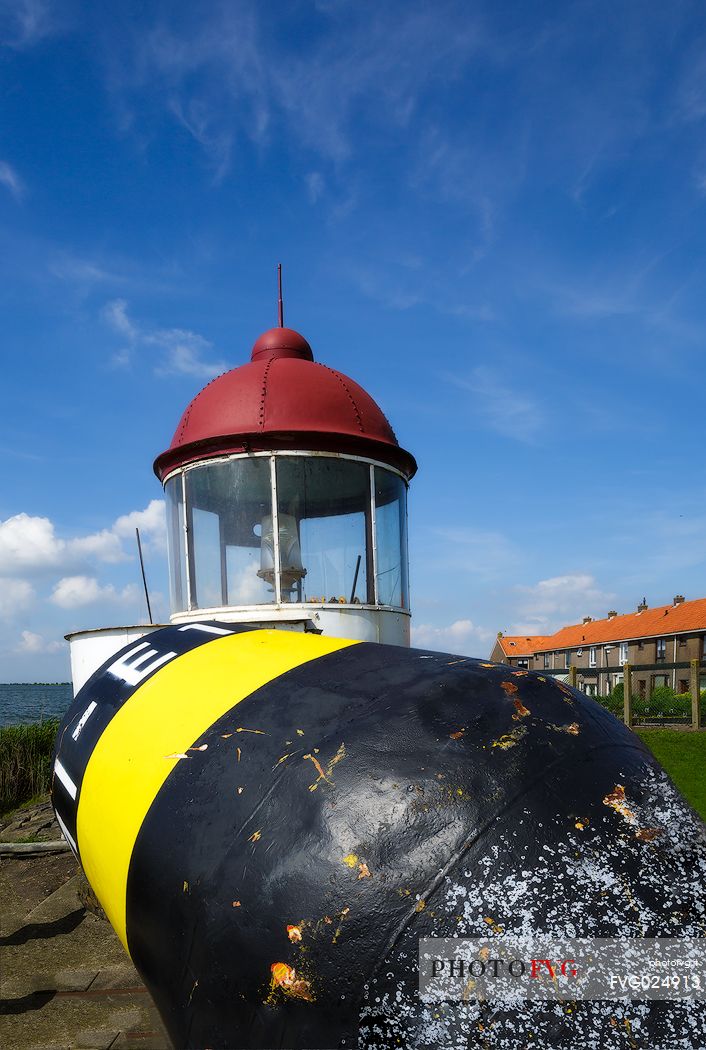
[[652, 623], [520, 645]]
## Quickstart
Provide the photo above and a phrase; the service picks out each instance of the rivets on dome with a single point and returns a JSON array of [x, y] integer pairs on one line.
[[345, 386]]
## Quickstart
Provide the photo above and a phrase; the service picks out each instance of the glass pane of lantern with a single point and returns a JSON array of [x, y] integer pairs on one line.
[[228, 508], [205, 533], [324, 521], [175, 544], [391, 539]]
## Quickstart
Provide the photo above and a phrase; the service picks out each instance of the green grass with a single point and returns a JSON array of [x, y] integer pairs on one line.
[[25, 759], [683, 755]]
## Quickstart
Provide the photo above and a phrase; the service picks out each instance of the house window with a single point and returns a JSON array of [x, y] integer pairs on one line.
[[642, 688], [661, 648], [567, 659], [659, 680], [579, 652], [683, 685], [592, 656], [523, 663], [623, 658], [640, 644], [682, 641], [546, 661]]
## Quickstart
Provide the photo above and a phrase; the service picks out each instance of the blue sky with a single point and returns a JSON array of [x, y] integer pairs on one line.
[[493, 216]]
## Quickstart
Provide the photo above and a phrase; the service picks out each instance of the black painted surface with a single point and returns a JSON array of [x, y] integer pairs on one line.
[[460, 785]]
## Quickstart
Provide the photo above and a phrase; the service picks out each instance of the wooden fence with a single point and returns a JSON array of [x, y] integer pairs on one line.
[[695, 668]]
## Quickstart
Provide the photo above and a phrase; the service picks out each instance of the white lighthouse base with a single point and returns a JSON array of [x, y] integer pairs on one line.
[[364, 623], [90, 649]]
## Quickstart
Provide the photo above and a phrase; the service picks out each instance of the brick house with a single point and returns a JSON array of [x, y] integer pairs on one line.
[[670, 634]]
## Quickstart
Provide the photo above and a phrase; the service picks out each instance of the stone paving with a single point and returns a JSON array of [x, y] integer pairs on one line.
[[65, 980], [31, 823]]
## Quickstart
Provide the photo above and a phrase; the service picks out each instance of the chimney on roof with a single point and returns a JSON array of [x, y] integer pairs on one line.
[[678, 599], [587, 619], [612, 613], [642, 606], [500, 634]]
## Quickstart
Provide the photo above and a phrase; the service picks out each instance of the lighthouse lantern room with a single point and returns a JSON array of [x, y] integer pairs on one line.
[[286, 493], [286, 496]]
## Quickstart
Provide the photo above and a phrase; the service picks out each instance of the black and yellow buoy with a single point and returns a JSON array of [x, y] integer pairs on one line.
[[272, 820]]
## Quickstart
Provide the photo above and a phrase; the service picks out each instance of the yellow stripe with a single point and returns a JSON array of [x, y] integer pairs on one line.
[[164, 717]]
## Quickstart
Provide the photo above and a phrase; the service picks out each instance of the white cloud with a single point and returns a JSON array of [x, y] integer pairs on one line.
[[452, 168], [72, 592], [182, 352], [15, 597], [103, 546], [691, 97], [85, 274], [11, 180], [152, 525], [25, 22], [81, 271], [29, 544], [35, 643], [314, 185], [503, 408], [408, 280], [640, 289], [202, 122], [115, 313], [354, 67], [225, 76], [462, 636], [559, 600]]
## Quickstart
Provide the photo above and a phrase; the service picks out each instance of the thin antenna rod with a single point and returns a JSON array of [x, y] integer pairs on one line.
[[144, 578], [280, 304]]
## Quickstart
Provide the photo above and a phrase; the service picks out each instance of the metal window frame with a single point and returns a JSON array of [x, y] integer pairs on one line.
[[404, 540], [275, 531], [278, 454], [187, 554], [273, 456], [374, 534], [176, 565]]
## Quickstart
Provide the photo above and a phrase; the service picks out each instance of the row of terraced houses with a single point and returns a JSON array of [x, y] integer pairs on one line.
[[599, 649]]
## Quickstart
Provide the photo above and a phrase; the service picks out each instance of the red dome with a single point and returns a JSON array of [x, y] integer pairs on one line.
[[281, 342], [283, 400]]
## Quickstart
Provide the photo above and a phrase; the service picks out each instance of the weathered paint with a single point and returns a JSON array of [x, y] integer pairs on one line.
[[356, 798]]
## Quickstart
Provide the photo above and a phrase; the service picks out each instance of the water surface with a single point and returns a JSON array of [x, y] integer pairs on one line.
[[22, 702]]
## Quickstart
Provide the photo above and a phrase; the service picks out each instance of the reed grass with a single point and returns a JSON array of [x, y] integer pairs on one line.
[[25, 761]]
